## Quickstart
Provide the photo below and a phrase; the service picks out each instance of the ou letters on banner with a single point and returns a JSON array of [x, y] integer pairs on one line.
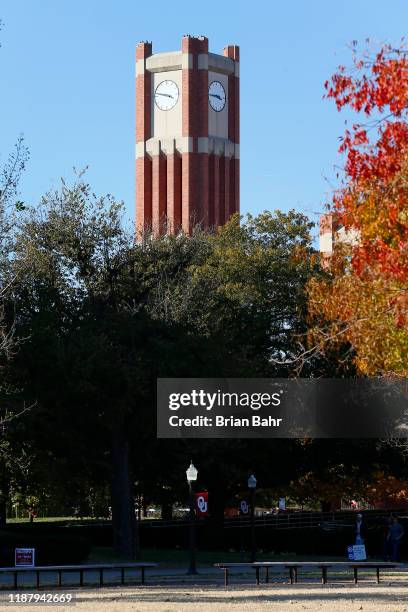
[[202, 503]]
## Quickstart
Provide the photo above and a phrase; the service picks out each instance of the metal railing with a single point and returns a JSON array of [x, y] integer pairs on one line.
[[290, 520]]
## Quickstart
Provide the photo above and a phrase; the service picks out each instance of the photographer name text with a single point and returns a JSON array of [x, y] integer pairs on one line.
[[224, 421]]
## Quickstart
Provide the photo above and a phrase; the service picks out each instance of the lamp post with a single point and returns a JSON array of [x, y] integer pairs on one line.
[[192, 473], [252, 488]]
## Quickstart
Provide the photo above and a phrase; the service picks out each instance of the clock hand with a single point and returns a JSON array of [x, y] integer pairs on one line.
[[158, 93], [216, 96]]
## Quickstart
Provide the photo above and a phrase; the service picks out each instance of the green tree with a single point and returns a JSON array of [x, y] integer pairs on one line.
[[95, 344], [106, 316], [10, 206], [245, 293]]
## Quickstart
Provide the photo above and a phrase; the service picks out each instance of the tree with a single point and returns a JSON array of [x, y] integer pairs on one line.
[[72, 253], [88, 302], [363, 301], [10, 408], [245, 293], [105, 317], [250, 290], [10, 174]]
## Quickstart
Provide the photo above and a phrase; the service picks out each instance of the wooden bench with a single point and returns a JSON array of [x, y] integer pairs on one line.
[[293, 568], [363, 565], [81, 569]]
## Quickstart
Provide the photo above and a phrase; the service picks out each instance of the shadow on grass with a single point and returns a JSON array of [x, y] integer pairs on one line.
[[178, 558]]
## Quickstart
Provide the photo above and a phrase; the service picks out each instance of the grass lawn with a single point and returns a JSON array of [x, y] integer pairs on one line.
[[174, 558], [59, 519]]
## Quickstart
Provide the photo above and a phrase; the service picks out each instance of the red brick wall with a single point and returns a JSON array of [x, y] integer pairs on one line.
[[232, 52], [143, 130], [227, 190], [217, 221], [195, 89], [202, 190], [159, 194], [144, 193], [221, 190], [233, 206], [236, 202], [173, 193], [195, 179]]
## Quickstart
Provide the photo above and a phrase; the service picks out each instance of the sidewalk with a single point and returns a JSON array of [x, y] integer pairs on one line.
[[340, 597]]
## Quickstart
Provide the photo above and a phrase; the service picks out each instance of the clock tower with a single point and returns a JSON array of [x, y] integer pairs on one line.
[[187, 137]]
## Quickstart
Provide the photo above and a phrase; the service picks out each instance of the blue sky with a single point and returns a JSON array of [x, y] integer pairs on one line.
[[67, 75]]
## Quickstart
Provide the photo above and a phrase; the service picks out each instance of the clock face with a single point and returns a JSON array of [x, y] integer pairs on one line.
[[166, 95], [216, 96]]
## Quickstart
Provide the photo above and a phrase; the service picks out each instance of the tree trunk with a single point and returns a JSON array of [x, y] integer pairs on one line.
[[123, 512], [326, 505], [167, 511], [216, 501], [4, 494]]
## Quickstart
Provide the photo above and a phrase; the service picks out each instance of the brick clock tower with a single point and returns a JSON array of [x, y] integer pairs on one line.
[[187, 137]]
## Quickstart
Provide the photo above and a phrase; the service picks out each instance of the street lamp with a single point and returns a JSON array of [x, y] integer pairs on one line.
[[192, 473], [252, 488]]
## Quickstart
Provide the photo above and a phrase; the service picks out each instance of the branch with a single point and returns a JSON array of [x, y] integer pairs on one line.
[[8, 418], [11, 173]]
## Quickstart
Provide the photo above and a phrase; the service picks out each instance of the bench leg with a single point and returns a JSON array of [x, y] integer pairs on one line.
[[38, 578], [324, 575], [355, 575], [81, 577], [225, 576], [122, 575], [267, 574], [15, 580], [101, 577], [291, 575], [59, 577], [295, 569], [378, 575], [143, 575], [257, 575]]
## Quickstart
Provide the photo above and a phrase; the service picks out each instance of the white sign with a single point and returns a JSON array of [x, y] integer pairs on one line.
[[282, 503], [244, 507], [357, 552], [24, 557]]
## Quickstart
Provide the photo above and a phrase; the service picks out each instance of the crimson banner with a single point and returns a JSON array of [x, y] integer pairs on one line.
[[201, 503]]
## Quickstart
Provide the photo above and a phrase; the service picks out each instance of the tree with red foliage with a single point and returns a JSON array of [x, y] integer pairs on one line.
[[376, 155], [364, 299]]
